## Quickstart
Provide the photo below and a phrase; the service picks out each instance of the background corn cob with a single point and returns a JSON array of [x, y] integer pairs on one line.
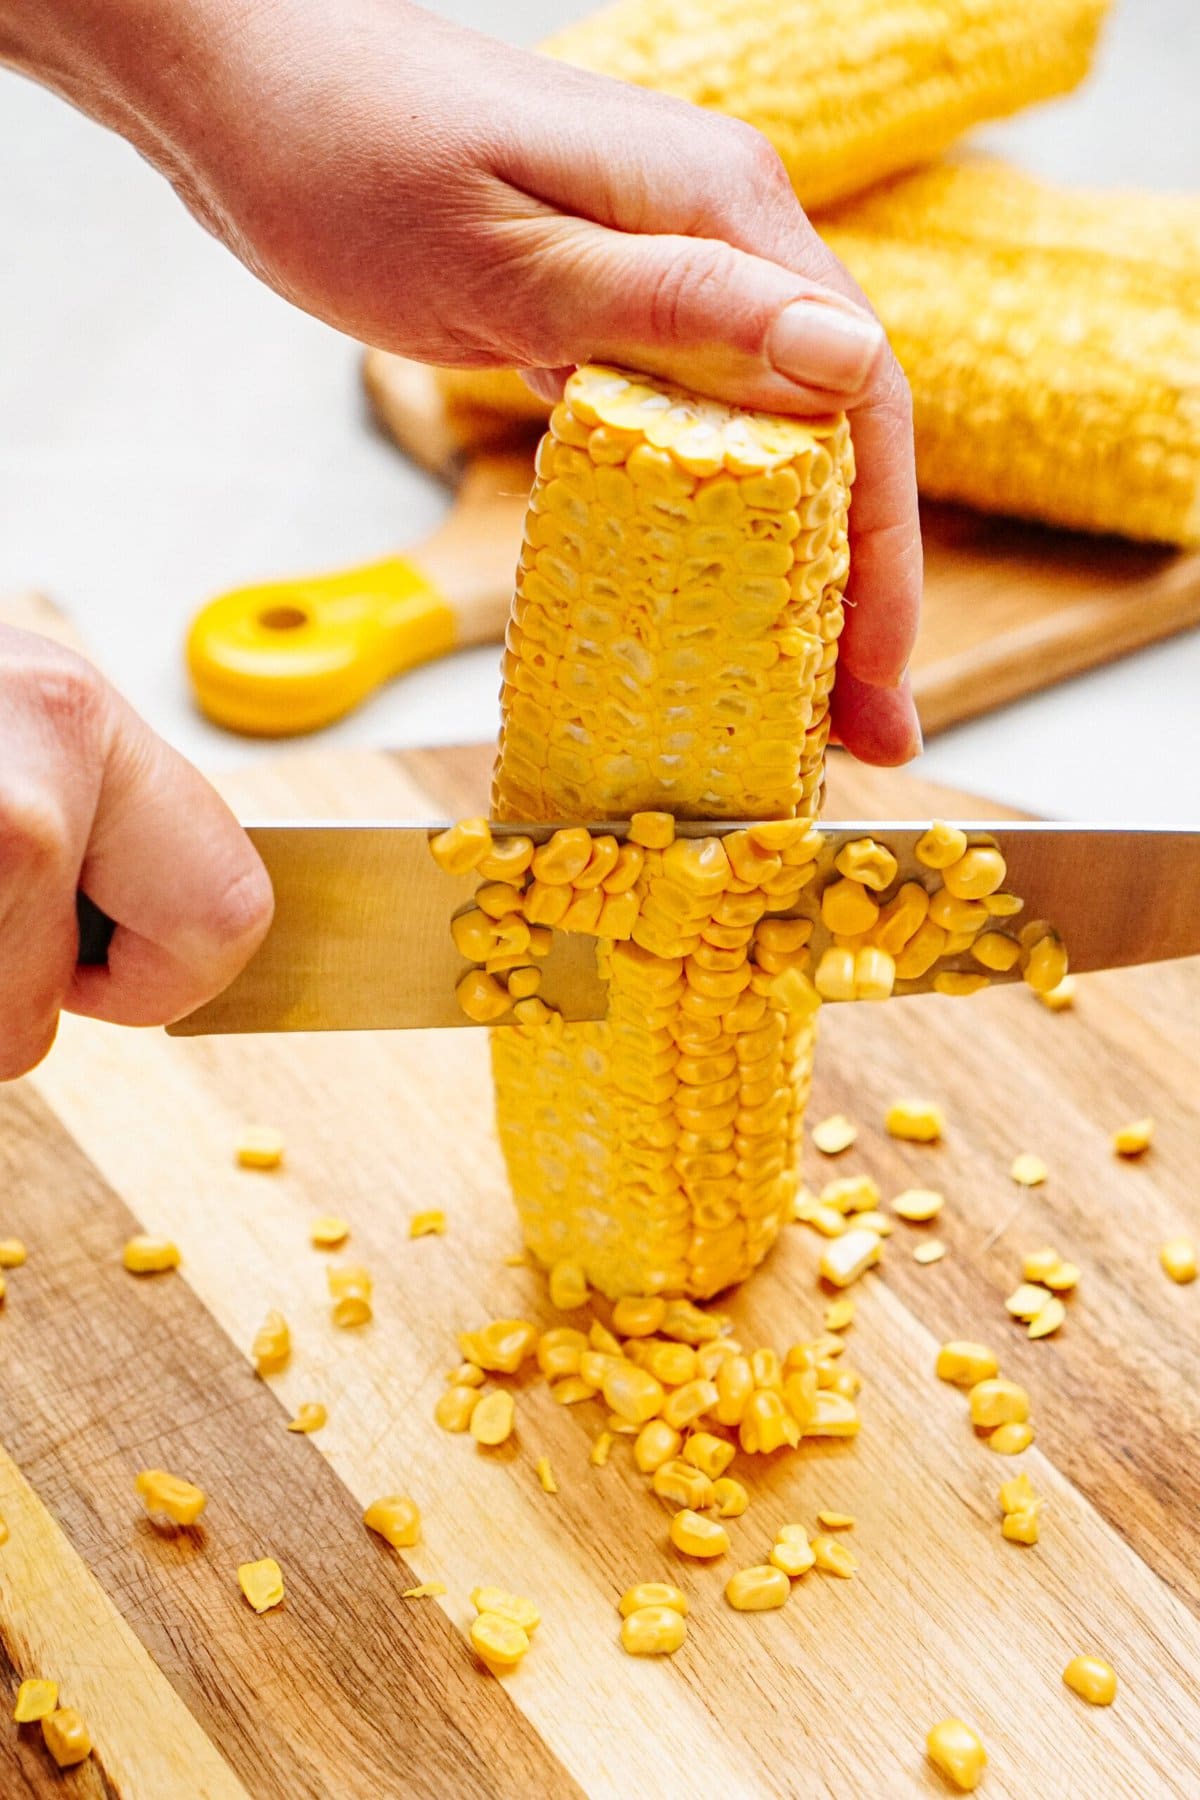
[[848, 91], [672, 646], [1051, 339]]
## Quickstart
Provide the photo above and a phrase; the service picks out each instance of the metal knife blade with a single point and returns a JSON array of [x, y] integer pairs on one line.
[[361, 937]]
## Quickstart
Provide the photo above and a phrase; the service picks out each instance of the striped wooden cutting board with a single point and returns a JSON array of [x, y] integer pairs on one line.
[[349, 1691]]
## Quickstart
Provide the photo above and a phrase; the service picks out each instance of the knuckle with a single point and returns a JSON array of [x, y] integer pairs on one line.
[[241, 912], [684, 285], [34, 836], [756, 162], [69, 694]]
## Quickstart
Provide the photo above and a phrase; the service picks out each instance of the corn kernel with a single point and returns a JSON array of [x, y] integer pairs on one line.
[[1060, 998], [652, 830], [1028, 1171], [977, 873], [1040, 1263], [930, 1252], [260, 1147], [835, 976], [847, 1257], [834, 1557], [169, 1496], [568, 1287], [761, 1588], [915, 1121], [1020, 1526], [1061, 1278], [427, 1224], [689, 1402], [1027, 1300], [958, 1752], [851, 1193], [966, 1364], [997, 1401], [514, 1607], [996, 952], [601, 1338], [839, 1314], [310, 1417], [350, 1290], [571, 1390], [1017, 1494], [833, 1135], [1134, 1138], [653, 1631], [462, 847], [638, 1317], [836, 1521], [847, 908], [455, 1406], [696, 1536], [867, 862], [500, 1346], [601, 1448], [482, 997], [497, 1641], [35, 1699], [396, 1518], [328, 1232], [1178, 1259], [3, 1532], [425, 1590], [66, 1737], [150, 1255], [711, 1455], [918, 1205], [545, 1475], [262, 1583], [1012, 1438], [682, 1484], [1048, 1319], [507, 860], [652, 1593], [493, 1419], [272, 1345], [940, 846], [793, 1554], [656, 1443], [1093, 1680], [1047, 964], [729, 1498], [882, 1224], [12, 1253]]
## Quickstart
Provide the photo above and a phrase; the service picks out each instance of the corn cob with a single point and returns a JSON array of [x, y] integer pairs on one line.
[[671, 651], [848, 91], [1051, 340]]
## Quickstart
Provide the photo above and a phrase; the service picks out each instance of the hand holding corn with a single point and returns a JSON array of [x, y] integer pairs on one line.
[[441, 195]]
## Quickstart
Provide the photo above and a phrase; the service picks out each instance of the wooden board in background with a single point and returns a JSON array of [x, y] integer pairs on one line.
[[348, 1690], [1009, 608]]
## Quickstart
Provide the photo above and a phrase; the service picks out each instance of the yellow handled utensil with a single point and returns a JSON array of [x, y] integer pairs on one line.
[[291, 656]]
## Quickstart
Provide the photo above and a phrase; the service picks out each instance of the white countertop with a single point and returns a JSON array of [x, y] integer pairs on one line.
[[168, 428]]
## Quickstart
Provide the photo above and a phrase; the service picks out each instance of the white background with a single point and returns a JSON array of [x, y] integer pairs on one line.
[[169, 428]]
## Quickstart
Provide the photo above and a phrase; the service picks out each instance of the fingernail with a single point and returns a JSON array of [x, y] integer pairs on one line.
[[824, 345]]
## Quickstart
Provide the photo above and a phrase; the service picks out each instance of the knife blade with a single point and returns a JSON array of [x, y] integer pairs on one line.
[[361, 939]]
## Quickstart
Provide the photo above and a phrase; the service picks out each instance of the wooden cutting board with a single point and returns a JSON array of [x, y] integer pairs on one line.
[[1009, 608], [350, 1692]]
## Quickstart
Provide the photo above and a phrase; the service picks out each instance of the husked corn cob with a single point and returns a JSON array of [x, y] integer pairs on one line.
[[1051, 340], [848, 91], [671, 650]]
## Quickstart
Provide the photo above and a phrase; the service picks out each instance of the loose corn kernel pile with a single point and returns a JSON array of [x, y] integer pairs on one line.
[[1035, 1300], [502, 1627], [999, 1408], [1020, 1507]]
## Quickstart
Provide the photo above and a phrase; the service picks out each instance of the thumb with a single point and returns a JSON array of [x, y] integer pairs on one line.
[[695, 310]]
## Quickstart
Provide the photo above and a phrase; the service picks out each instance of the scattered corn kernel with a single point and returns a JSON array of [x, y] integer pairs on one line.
[[601, 1448], [851, 1194], [1178, 1259], [1028, 1170], [328, 1232], [652, 1593], [638, 1317], [1027, 1300], [915, 1121], [656, 1443], [1063, 1277], [516, 1608], [997, 1401], [918, 1205], [1010, 1439], [500, 1346], [497, 1640], [965, 1363], [1047, 963], [545, 1473], [309, 1417], [930, 1252], [455, 1406], [836, 1521], [958, 1752], [830, 1554], [682, 1484], [568, 1286], [758, 1589], [150, 1255], [1017, 1494], [350, 1290], [729, 1498], [653, 1631], [427, 1224], [847, 1257], [1021, 1526], [839, 1314], [793, 1554], [1093, 1680], [12, 1253], [426, 1590], [1060, 998], [1040, 1263], [169, 1496], [262, 1583], [1134, 1138], [66, 1737], [396, 1518], [697, 1536], [3, 1532], [493, 1419], [633, 1393], [882, 1224], [711, 1455], [833, 1135], [1048, 1319], [35, 1699], [260, 1147]]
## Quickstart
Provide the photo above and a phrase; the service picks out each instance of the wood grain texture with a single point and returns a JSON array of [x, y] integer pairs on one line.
[[828, 1698], [1008, 609]]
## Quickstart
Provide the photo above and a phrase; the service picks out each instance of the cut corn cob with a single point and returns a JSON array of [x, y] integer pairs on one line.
[[848, 91], [671, 647], [1051, 340]]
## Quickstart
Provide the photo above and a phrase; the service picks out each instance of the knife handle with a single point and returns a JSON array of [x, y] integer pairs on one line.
[[95, 933]]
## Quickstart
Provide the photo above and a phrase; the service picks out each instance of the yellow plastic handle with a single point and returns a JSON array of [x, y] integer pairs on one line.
[[291, 656]]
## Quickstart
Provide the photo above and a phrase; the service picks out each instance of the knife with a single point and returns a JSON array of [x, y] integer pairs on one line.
[[361, 938]]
